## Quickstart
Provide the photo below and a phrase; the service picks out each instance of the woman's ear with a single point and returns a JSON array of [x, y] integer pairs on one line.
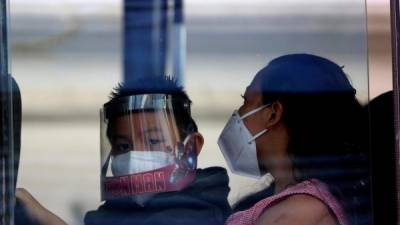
[[196, 140], [273, 114]]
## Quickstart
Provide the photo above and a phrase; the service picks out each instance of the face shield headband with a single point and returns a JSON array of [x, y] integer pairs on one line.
[[141, 149]]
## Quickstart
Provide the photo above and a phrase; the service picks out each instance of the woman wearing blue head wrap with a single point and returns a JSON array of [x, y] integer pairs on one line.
[[301, 122]]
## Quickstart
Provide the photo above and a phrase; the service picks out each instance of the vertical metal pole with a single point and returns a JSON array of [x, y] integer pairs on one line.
[[153, 40], [6, 116], [4, 38], [179, 38], [395, 24]]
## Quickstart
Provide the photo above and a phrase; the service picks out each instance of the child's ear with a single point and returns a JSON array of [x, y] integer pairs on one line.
[[197, 140]]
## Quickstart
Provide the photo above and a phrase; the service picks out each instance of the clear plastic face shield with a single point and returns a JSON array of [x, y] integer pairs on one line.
[[141, 147]]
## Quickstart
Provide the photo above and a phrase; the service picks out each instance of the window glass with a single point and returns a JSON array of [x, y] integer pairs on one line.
[[68, 56]]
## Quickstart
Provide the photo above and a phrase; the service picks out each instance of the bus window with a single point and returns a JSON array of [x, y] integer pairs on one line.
[[310, 65]]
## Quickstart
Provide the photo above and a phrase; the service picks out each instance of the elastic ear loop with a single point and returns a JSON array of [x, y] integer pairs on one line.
[[258, 135], [186, 139], [184, 145], [251, 113], [254, 111]]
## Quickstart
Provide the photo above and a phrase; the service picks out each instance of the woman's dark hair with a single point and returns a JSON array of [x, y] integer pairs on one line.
[[325, 142], [328, 138], [381, 111]]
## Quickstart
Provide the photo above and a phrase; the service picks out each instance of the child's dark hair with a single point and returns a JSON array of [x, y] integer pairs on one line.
[[181, 102]]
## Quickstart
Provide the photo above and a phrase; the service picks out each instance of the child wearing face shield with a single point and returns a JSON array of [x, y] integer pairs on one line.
[[149, 150], [300, 122]]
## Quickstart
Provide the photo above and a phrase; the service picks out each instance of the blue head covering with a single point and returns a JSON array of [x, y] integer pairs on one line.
[[304, 74]]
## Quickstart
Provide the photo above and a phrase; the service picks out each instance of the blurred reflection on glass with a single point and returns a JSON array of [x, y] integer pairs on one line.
[[67, 57]]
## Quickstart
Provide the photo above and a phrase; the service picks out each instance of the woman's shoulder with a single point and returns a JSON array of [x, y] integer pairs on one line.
[[301, 209], [308, 202]]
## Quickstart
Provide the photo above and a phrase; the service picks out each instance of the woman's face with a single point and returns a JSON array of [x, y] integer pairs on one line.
[[271, 146], [252, 99]]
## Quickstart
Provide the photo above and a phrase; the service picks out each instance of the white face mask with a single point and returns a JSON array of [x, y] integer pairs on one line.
[[140, 161], [238, 145]]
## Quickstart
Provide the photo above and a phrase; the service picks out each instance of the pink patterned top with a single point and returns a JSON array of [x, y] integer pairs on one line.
[[311, 187]]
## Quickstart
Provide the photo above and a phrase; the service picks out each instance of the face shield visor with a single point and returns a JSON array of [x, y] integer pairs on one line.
[[142, 150]]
